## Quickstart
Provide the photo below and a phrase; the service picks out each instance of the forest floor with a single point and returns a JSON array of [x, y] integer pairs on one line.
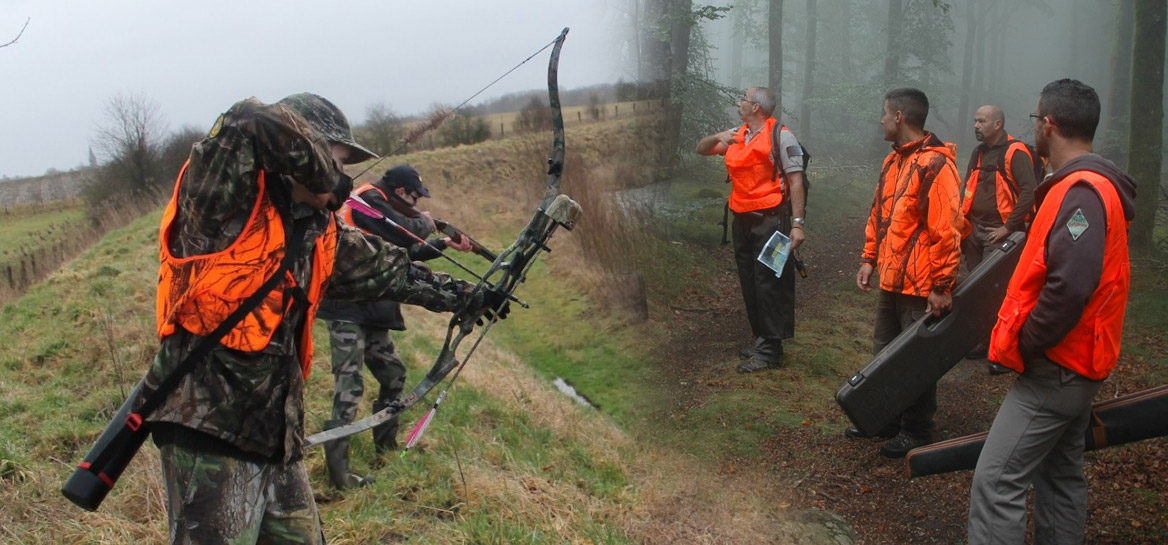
[[813, 466]]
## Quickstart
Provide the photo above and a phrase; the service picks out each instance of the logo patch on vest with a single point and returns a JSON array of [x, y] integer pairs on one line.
[[1077, 224], [216, 127]]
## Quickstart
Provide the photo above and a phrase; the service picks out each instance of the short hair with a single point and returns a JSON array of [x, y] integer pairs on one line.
[[764, 97], [1074, 107], [912, 103]]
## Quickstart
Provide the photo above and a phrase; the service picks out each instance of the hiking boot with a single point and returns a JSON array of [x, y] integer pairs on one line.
[[998, 369], [749, 350], [756, 364], [889, 431], [898, 446], [336, 462]]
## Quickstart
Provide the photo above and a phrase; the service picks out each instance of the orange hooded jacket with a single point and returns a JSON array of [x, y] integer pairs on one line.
[[913, 232]]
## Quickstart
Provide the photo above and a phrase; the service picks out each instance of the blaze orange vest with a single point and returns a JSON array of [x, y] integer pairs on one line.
[[1006, 187], [346, 211], [199, 292], [751, 171], [1092, 347]]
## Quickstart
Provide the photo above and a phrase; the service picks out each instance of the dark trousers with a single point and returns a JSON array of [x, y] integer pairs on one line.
[[974, 248], [895, 312], [770, 301]]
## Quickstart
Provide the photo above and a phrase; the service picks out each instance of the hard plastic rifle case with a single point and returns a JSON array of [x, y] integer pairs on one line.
[[885, 386]]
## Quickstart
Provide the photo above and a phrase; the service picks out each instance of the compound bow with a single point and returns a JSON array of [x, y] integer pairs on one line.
[[506, 272]]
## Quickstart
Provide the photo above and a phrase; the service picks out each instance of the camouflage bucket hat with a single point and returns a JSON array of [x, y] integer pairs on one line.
[[328, 120]]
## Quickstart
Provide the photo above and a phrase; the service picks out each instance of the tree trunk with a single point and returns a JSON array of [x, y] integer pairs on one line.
[[1119, 85], [775, 53], [654, 62], [1147, 114], [971, 32], [845, 39], [679, 20], [738, 24], [808, 73], [891, 51]]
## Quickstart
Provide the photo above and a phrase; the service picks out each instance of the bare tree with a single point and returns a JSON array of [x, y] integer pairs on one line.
[[18, 34], [129, 142], [808, 73], [383, 129], [130, 137]]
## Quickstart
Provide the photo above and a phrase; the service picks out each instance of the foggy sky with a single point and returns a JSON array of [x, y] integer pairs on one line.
[[194, 59]]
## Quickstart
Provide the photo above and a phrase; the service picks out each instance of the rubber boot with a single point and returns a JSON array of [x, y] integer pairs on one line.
[[385, 435], [336, 459]]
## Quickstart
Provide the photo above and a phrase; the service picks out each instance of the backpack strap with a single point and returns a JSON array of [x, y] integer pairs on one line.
[[1007, 156]]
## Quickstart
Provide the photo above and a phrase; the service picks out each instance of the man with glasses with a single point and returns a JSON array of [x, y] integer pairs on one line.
[[1059, 327], [359, 331], [766, 196]]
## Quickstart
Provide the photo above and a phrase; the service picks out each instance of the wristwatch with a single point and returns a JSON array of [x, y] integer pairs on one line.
[[797, 220]]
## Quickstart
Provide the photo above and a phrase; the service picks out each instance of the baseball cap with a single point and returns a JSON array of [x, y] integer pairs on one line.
[[404, 176], [327, 119]]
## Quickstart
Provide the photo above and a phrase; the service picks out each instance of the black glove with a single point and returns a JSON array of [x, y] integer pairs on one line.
[[495, 306]]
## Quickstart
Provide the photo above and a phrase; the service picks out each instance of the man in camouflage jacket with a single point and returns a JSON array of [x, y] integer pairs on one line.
[[231, 433], [359, 330]]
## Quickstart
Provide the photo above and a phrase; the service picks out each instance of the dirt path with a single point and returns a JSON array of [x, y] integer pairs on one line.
[[1129, 485]]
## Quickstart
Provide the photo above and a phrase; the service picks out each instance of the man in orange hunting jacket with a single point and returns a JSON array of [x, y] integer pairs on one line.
[[913, 241]]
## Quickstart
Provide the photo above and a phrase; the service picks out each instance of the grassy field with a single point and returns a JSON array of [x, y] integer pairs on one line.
[[503, 124], [36, 225]]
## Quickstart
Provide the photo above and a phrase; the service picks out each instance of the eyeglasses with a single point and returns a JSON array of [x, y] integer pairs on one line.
[[741, 100], [1045, 118]]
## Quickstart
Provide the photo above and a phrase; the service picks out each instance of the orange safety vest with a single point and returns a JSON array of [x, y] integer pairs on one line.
[[199, 292], [346, 211], [1092, 347], [752, 171], [1006, 187]]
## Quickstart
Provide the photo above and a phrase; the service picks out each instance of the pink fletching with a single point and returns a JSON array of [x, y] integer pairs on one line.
[[419, 429], [356, 203]]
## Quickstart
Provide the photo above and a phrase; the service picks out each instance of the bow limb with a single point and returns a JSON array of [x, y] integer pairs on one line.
[[507, 271]]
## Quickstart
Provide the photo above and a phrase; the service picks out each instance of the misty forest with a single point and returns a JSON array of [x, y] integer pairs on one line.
[[832, 61]]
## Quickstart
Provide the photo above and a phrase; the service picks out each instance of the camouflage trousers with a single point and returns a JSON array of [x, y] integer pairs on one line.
[[216, 499], [352, 345]]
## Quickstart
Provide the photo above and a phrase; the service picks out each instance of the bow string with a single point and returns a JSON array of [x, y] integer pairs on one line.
[[506, 272]]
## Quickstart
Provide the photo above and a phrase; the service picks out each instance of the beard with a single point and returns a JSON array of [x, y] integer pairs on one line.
[[980, 136]]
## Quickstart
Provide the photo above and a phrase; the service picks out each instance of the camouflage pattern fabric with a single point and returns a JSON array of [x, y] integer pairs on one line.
[[254, 400], [328, 120], [352, 345], [220, 500]]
